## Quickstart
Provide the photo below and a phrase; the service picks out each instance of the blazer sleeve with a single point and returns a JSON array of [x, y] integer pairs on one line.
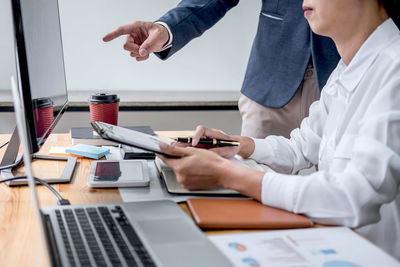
[[190, 19]]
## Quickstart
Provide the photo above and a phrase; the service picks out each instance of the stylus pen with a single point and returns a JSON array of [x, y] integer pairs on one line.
[[214, 142]]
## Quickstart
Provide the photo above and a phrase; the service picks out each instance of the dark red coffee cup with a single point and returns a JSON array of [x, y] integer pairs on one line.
[[44, 115], [104, 107]]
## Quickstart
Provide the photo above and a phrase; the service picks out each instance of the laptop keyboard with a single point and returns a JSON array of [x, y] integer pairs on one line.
[[84, 224]]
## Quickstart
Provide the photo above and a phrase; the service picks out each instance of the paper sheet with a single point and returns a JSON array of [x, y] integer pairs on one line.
[[322, 247]]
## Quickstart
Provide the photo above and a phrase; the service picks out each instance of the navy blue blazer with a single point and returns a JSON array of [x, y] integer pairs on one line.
[[280, 53]]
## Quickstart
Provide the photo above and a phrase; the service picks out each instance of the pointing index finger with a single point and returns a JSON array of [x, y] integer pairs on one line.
[[122, 30]]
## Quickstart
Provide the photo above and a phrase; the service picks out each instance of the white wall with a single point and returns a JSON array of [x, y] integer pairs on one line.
[[215, 61], [7, 61]]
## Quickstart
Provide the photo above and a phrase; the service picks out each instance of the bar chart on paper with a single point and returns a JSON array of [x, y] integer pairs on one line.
[[323, 247]]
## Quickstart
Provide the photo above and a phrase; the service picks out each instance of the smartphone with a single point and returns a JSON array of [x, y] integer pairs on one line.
[[107, 171], [118, 173]]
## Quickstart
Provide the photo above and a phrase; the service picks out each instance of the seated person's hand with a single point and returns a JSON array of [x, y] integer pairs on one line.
[[202, 169], [142, 38], [204, 132], [195, 168], [245, 148]]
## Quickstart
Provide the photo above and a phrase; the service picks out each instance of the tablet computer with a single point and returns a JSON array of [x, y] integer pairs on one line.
[[130, 137]]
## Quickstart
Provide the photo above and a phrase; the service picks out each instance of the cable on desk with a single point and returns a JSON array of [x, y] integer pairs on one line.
[[3, 145], [9, 166], [61, 200], [18, 161]]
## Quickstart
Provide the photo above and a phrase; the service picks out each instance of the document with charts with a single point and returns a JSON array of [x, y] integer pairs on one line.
[[322, 247]]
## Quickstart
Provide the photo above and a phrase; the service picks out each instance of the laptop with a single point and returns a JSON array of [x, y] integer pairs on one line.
[[151, 233]]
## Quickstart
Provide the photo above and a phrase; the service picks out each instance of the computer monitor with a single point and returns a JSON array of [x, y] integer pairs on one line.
[[40, 77]]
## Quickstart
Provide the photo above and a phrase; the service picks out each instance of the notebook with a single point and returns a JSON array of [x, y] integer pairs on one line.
[[174, 187], [212, 213]]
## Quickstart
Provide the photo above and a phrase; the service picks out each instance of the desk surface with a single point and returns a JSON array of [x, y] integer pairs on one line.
[[19, 237]]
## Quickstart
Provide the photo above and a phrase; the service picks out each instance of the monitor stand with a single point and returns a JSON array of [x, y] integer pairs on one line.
[[10, 158]]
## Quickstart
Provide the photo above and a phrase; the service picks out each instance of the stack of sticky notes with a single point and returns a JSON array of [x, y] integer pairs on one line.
[[88, 151]]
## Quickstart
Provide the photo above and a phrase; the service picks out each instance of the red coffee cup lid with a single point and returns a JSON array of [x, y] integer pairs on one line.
[[43, 102], [103, 98]]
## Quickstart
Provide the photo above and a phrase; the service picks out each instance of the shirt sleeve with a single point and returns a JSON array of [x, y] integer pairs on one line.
[[171, 36], [351, 196], [301, 150], [190, 19]]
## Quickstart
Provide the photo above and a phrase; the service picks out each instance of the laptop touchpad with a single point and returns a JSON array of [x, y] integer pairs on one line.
[[170, 231]]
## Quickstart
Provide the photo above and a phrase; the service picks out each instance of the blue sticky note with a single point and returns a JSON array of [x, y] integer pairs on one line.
[[93, 152]]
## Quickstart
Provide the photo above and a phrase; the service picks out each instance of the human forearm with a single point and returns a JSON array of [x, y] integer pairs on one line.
[[244, 180]]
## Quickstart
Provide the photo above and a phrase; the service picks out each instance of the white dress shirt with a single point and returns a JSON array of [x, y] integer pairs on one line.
[[353, 135], [170, 39]]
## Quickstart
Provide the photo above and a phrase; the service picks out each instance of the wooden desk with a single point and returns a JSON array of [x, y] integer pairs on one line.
[[19, 235]]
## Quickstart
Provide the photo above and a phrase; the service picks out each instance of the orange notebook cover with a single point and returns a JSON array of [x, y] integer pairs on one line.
[[242, 214]]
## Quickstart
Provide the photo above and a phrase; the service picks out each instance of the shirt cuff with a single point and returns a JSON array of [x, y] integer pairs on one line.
[[280, 190], [257, 151], [261, 149], [171, 37]]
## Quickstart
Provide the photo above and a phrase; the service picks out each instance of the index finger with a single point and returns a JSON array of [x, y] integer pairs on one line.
[[199, 132], [202, 131], [172, 155], [121, 30]]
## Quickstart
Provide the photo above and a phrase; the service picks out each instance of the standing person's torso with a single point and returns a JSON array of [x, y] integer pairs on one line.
[[281, 49], [281, 52]]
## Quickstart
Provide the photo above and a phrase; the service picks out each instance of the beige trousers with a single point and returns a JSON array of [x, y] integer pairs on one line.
[[259, 121]]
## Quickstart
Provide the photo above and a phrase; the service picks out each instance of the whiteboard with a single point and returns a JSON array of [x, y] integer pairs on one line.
[[214, 62]]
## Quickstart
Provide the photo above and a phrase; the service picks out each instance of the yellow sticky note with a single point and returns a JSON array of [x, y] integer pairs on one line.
[[60, 151]]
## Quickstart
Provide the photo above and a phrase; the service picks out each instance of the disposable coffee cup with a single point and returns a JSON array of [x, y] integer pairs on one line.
[[104, 107], [44, 115]]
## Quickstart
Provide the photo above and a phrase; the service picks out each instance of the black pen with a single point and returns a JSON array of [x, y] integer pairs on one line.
[[214, 142]]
